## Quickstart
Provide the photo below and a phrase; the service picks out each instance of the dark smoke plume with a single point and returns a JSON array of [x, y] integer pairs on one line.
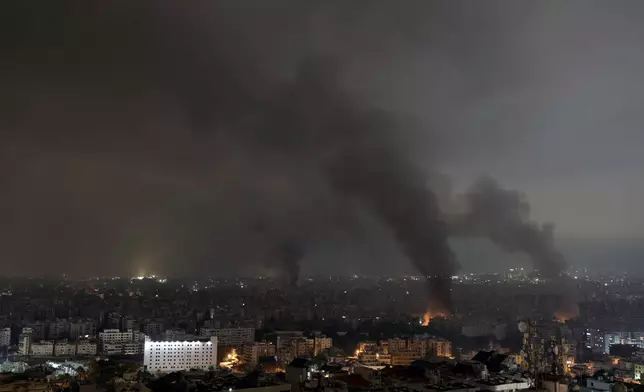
[[363, 160], [202, 126], [503, 216], [291, 252]]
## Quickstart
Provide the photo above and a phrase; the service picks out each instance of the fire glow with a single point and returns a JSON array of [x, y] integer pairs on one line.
[[428, 316], [231, 360]]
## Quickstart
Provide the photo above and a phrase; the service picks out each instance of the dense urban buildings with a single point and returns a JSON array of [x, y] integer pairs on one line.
[[354, 333], [254, 323]]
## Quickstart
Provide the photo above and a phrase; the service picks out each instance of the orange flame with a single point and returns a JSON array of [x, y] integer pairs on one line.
[[231, 360], [566, 312], [428, 316]]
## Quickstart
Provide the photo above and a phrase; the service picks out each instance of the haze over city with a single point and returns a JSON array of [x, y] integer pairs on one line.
[[197, 138], [321, 196]]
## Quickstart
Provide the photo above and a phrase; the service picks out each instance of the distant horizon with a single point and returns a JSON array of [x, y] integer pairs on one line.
[[476, 255]]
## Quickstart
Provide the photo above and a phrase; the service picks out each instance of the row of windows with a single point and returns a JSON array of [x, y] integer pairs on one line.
[[179, 363]]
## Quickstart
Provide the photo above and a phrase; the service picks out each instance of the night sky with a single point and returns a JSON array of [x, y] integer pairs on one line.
[[186, 137]]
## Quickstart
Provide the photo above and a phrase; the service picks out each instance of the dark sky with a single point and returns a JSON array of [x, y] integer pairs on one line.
[[133, 135]]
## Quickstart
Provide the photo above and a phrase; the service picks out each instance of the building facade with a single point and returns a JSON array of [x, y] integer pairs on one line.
[[253, 351], [86, 348], [44, 348], [230, 336], [82, 328], [5, 337], [24, 342], [112, 336], [165, 357], [64, 349]]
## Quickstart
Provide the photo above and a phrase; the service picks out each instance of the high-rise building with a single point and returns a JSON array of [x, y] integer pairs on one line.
[[5, 337], [165, 357]]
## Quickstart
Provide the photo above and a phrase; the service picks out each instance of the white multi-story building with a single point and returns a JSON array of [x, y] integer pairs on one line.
[[113, 336], [86, 348], [134, 348], [230, 336], [115, 342], [165, 357], [5, 337], [64, 349], [44, 348]]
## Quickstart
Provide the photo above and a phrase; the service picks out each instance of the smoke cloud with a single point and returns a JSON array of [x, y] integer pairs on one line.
[[155, 135], [291, 252], [503, 216]]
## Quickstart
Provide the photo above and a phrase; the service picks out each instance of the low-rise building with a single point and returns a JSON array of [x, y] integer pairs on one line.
[[86, 348], [235, 337], [44, 348], [253, 351], [134, 348], [63, 348]]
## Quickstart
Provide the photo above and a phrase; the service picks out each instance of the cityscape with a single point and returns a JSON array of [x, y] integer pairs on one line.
[[321, 196], [338, 332]]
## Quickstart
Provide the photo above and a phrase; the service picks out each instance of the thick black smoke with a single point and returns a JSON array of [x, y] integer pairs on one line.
[[180, 125], [290, 253], [503, 216], [358, 149]]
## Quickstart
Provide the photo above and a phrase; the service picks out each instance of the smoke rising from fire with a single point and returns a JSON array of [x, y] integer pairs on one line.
[[162, 132], [503, 216], [291, 252]]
